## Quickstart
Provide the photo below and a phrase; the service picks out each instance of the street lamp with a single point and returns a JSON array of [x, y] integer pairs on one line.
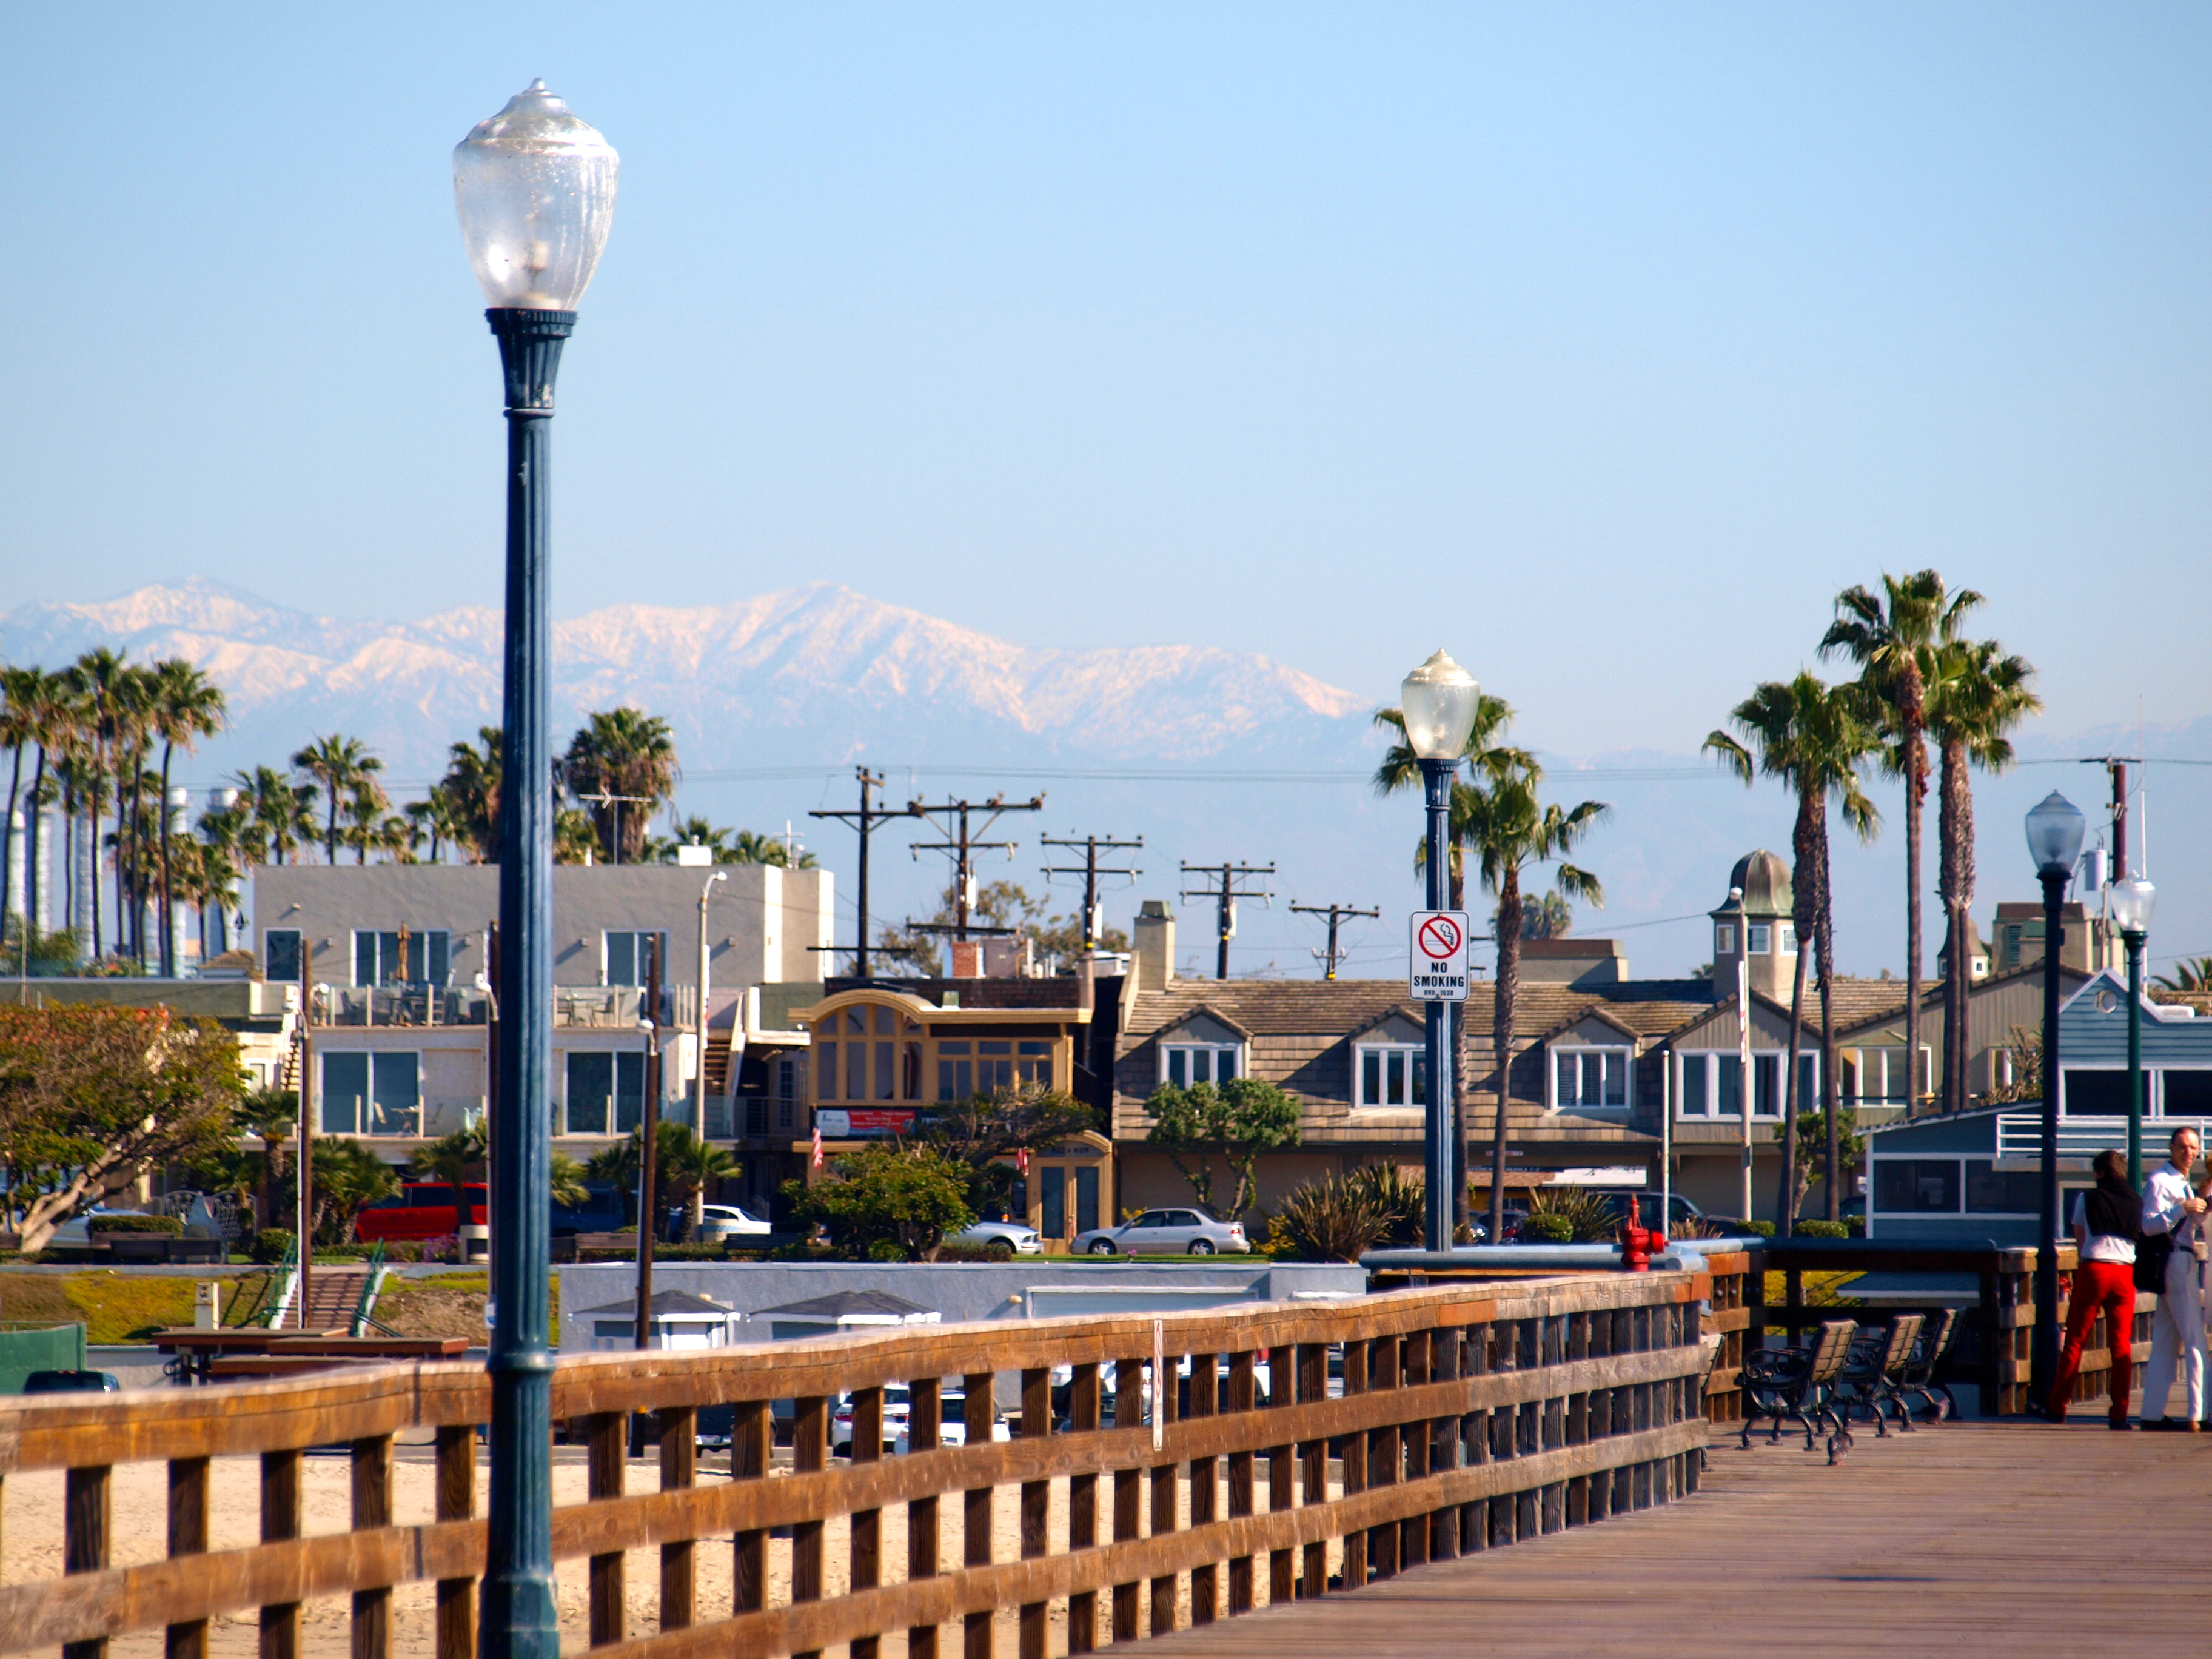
[[535, 189], [2133, 900], [699, 1016], [2054, 841], [1439, 701]]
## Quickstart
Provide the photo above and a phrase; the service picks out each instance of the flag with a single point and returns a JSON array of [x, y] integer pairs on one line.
[[814, 1159], [1021, 1160]]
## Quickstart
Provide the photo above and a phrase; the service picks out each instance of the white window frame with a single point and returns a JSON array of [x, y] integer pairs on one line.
[[1723, 940], [1758, 939], [1788, 946], [1190, 1050], [1622, 1052], [634, 934], [1885, 1098], [1708, 1110], [1413, 1052]]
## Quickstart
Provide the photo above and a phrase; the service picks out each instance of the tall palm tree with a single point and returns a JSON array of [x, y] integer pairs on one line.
[[341, 767], [49, 716], [621, 758], [1810, 736], [469, 790], [1514, 830], [1893, 636], [19, 729], [1976, 696], [100, 681], [280, 813], [187, 706], [456, 1159], [366, 827]]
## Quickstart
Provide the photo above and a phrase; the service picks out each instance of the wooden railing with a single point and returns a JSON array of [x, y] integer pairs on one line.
[[1466, 1418]]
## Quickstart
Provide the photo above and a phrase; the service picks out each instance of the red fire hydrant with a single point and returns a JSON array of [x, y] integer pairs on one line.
[[1637, 1242]]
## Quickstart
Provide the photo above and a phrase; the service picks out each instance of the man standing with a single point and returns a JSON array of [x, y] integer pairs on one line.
[[2172, 1211]]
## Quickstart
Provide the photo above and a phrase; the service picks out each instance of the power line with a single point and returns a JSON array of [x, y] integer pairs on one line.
[[864, 818], [1225, 898], [1093, 923], [1336, 913], [949, 818]]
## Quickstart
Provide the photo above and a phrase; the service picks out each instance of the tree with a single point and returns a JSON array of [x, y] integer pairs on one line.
[[682, 1165], [186, 707], [887, 1202], [19, 729], [1892, 636], [456, 1159], [349, 1177], [726, 846], [1486, 757], [1801, 1144], [1511, 830], [470, 794], [91, 1097], [620, 766], [279, 815], [983, 1131], [1812, 737], [102, 683], [1974, 697], [574, 840], [685, 1167], [342, 767], [1241, 1119], [1547, 916], [49, 712], [272, 1115], [2190, 974], [567, 1181]]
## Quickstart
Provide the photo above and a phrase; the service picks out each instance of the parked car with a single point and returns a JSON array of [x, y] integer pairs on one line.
[[72, 1382], [1003, 1239], [897, 1405], [718, 1222], [1163, 1232], [952, 1422], [423, 1209]]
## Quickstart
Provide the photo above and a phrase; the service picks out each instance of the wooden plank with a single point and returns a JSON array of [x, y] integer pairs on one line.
[[864, 1552], [1312, 1388], [810, 1454], [85, 1539], [1036, 1505], [1241, 1400], [456, 1500], [1166, 1362], [1084, 1403], [925, 1420], [1205, 1577], [371, 1479], [280, 1523], [1128, 1487], [750, 1434], [678, 1427], [976, 1516], [188, 1535], [603, 1435]]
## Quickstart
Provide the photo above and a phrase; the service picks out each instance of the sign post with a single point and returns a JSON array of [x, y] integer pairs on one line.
[[1437, 974]]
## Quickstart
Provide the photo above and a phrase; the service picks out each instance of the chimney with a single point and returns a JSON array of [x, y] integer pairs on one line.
[[1086, 982], [967, 959], [1155, 946]]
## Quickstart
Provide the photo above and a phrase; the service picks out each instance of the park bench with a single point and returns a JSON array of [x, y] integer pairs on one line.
[[1933, 1346], [1794, 1385], [1873, 1374]]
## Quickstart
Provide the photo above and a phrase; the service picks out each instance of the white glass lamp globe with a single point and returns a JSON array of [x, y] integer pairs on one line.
[[1439, 700], [535, 187], [2133, 900], [2054, 833]]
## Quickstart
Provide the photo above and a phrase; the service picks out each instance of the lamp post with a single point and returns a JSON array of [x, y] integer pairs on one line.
[[1439, 701], [2054, 841], [2133, 900], [699, 1015], [534, 188]]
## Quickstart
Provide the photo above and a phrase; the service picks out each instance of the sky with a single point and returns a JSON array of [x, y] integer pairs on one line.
[[1599, 344]]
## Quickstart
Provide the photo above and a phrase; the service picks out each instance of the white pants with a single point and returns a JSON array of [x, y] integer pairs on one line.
[[2176, 1336]]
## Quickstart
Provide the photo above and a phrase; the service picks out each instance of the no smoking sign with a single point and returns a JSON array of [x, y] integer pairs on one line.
[[1438, 971]]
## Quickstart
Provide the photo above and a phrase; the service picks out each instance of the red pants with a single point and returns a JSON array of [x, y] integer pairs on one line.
[[2109, 1286]]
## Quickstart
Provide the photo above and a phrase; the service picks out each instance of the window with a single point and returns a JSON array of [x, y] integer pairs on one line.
[[605, 1093], [1760, 935], [2187, 1094], [825, 1072], [956, 1071], [1723, 941], [1391, 1074], [1712, 1085], [372, 1094], [1583, 1078], [385, 959], [1788, 938], [1992, 1191], [787, 1093], [624, 956], [280, 954], [1185, 1064], [1916, 1185], [1876, 1076], [2095, 1094]]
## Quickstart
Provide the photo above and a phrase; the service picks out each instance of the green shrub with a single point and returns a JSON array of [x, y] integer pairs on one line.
[[270, 1245], [134, 1223], [1589, 1218], [1822, 1229], [1547, 1227], [1328, 1220], [907, 1197], [404, 1249], [1856, 1224], [1400, 1199], [1761, 1228]]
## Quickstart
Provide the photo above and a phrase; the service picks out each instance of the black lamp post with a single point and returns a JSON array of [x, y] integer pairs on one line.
[[535, 187], [2054, 841], [1439, 701], [2133, 900]]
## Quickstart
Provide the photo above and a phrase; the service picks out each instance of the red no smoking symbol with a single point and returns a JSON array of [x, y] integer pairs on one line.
[[1439, 938]]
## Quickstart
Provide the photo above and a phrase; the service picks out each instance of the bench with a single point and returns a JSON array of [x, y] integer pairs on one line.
[[1929, 1353], [1795, 1385], [1873, 1373]]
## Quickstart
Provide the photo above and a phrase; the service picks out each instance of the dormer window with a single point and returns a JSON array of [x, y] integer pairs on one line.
[[1725, 939], [1390, 1074], [1582, 1079], [1185, 1064], [1760, 935]]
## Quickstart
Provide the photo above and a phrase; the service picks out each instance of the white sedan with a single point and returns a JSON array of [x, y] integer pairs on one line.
[[718, 1222], [1002, 1239]]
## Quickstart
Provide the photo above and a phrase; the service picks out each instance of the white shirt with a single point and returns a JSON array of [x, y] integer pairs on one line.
[[2164, 1196], [2101, 1247]]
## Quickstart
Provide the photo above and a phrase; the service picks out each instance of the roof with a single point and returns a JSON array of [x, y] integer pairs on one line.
[[1060, 993], [1763, 879], [842, 1304], [664, 1302]]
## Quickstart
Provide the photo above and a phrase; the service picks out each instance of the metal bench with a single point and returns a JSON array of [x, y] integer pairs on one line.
[[1929, 1353], [1795, 1385], [1872, 1375]]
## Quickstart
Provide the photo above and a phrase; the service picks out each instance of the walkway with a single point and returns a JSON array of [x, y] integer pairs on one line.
[[1961, 1541]]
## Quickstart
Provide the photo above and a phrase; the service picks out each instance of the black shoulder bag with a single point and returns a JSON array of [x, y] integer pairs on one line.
[[2152, 1251]]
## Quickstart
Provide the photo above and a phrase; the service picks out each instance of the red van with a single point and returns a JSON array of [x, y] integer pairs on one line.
[[421, 1210]]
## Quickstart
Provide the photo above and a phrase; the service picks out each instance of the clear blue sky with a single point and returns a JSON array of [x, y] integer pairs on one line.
[[1600, 343]]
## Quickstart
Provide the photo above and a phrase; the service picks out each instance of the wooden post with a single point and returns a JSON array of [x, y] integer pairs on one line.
[[280, 1521], [750, 1434], [1128, 1489], [866, 1548], [602, 1434], [1443, 1434], [372, 1508], [84, 1539], [1312, 1388], [188, 1535], [924, 1419], [1036, 1498], [1205, 1397], [976, 1412], [1383, 1451], [457, 1501], [1414, 1531], [1164, 1367], [1282, 1473], [679, 1469], [1474, 1440], [1083, 1415], [1241, 1402], [809, 1454], [1355, 1466]]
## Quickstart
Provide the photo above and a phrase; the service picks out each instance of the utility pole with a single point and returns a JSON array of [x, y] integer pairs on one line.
[[950, 819], [303, 1183], [1090, 871], [1225, 898], [649, 1203], [863, 818], [1337, 914]]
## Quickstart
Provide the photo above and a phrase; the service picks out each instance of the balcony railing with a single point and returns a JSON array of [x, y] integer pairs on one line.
[[608, 1007]]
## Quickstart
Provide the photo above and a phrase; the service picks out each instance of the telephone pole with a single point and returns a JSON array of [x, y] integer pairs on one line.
[[864, 818], [1336, 913], [1225, 898], [613, 805], [1090, 871], [950, 819]]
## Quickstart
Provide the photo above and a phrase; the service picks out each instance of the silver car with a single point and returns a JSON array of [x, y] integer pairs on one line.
[[1165, 1232], [1002, 1239]]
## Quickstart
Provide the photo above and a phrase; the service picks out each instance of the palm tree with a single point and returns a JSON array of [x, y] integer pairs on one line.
[[1975, 696], [1490, 760], [469, 790], [1892, 636], [279, 813], [100, 681], [270, 1113], [340, 766], [621, 758], [49, 714], [456, 1159], [684, 1166], [1809, 735], [1512, 830], [186, 707], [19, 729], [568, 1183], [2191, 974]]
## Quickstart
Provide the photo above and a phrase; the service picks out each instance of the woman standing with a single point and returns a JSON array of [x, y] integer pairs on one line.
[[2108, 1222]]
